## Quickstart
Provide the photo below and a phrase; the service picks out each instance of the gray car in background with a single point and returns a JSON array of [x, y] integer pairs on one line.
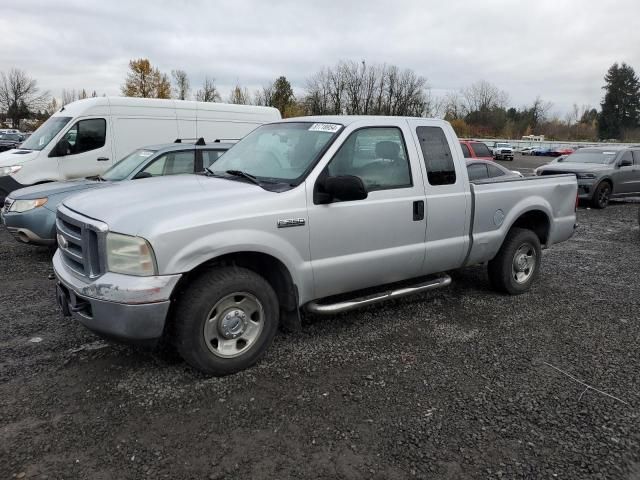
[[30, 213], [603, 173]]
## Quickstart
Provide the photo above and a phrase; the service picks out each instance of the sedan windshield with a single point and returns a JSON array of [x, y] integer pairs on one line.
[[129, 164], [279, 152], [43, 135], [591, 156]]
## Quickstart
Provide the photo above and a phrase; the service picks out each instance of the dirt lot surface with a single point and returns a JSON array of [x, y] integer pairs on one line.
[[454, 384]]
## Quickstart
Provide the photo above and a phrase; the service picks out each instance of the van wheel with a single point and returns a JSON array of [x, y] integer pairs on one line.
[[516, 266], [601, 196], [225, 320]]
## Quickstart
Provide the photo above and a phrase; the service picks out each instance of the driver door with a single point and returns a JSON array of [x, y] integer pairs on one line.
[[377, 240], [88, 149]]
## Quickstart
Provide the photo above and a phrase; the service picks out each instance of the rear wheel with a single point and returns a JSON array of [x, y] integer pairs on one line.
[[226, 320], [601, 196], [516, 266]]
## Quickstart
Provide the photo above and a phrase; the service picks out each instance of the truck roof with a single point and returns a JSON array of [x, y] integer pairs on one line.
[[348, 119]]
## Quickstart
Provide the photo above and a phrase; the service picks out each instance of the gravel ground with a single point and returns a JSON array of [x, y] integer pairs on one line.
[[453, 384]]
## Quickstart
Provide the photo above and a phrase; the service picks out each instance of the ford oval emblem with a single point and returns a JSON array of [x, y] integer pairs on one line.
[[62, 242]]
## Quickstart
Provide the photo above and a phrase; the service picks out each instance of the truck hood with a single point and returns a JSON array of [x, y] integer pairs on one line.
[[55, 188], [17, 157], [137, 207], [574, 167]]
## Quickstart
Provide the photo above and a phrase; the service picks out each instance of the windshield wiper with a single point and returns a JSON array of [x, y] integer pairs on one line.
[[240, 173]]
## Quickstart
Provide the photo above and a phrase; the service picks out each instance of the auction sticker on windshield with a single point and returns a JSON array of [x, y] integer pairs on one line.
[[324, 127]]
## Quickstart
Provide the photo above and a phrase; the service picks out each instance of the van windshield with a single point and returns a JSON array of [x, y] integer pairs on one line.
[[278, 152], [43, 135], [125, 167]]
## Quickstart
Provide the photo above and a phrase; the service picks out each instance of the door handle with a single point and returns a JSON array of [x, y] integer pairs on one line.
[[418, 210], [103, 159]]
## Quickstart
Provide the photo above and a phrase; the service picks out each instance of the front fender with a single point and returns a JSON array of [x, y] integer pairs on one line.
[[189, 255]]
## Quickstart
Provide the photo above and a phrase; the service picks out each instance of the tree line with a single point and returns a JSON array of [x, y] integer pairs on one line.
[[356, 88]]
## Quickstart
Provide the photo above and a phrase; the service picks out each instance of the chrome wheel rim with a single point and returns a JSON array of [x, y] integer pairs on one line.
[[524, 263], [233, 325]]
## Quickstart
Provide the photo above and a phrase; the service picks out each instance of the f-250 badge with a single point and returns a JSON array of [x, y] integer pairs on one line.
[[291, 222]]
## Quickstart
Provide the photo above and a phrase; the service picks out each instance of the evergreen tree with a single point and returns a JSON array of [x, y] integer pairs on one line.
[[621, 104]]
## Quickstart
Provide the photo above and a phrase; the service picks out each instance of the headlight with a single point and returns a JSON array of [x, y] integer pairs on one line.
[[586, 175], [4, 171], [130, 255], [20, 206]]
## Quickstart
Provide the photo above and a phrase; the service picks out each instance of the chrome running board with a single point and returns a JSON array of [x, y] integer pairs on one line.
[[331, 308]]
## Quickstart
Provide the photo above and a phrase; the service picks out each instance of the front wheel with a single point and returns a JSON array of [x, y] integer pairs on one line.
[[601, 196], [516, 266], [226, 320]]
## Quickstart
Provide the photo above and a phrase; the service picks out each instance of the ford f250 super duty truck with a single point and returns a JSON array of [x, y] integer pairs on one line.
[[313, 214]]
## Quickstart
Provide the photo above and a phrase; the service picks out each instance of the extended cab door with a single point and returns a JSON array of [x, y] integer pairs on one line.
[[376, 240], [448, 198], [627, 177], [84, 150]]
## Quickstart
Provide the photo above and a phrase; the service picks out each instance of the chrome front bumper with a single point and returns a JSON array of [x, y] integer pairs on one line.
[[123, 307]]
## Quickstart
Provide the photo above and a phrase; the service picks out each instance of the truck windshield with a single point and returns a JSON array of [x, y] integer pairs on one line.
[[278, 152], [593, 156], [125, 167], [43, 135]]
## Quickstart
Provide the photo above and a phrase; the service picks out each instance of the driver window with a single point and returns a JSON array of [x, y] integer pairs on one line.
[[157, 167], [174, 163], [376, 155], [626, 157], [86, 135]]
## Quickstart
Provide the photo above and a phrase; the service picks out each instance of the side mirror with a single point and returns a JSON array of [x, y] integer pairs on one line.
[[142, 174], [62, 148], [343, 188], [625, 162]]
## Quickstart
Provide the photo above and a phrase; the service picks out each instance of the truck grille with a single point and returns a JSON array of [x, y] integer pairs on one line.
[[81, 241], [506, 151]]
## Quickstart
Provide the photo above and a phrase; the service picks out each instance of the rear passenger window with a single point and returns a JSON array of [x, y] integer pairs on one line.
[[376, 155], [210, 156], [481, 150], [465, 151], [437, 156], [477, 171], [494, 171]]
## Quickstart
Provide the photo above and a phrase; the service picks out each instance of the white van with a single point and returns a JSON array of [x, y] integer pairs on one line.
[[86, 137]]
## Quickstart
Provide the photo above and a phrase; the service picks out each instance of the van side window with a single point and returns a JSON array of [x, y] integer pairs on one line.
[[377, 155], [437, 155], [87, 135]]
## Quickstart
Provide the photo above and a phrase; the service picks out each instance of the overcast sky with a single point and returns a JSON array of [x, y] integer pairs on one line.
[[558, 49]]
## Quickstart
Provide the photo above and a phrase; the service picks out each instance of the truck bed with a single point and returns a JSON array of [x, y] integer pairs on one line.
[[498, 203]]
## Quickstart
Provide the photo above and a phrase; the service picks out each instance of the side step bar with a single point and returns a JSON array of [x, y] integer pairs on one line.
[[331, 308]]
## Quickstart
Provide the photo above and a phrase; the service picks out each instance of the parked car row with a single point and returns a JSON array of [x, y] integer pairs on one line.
[[10, 140], [213, 251]]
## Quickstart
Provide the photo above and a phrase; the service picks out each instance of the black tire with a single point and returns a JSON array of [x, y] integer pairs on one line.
[[601, 195], [196, 304], [502, 269]]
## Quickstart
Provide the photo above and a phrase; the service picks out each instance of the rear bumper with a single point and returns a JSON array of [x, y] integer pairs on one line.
[[122, 307], [8, 185]]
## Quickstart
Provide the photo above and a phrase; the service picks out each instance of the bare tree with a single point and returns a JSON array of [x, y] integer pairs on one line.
[[239, 95], [20, 94], [264, 96], [359, 89], [208, 92], [181, 82], [68, 96], [483, 96]]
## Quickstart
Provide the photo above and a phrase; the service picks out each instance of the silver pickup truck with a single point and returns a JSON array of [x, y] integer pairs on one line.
[[312, 214]]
